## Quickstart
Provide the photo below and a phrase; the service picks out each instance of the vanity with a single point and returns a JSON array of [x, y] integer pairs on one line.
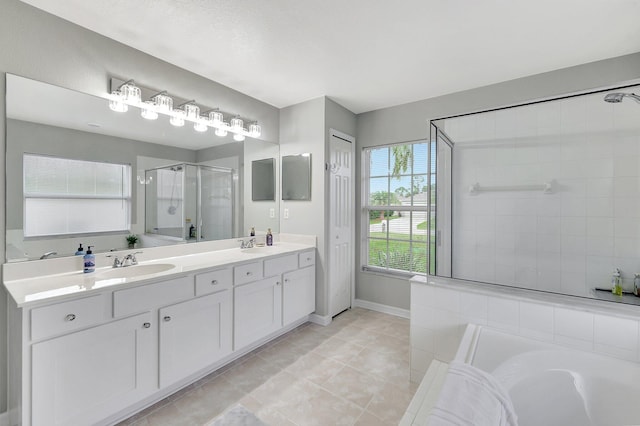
[[96, 348]]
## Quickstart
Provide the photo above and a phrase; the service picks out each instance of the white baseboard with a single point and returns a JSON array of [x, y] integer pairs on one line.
[[320, 319], [4, 419], [385, 309]]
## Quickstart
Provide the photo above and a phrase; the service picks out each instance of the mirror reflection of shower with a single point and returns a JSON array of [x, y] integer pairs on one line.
[[189, 202], [172, 209]]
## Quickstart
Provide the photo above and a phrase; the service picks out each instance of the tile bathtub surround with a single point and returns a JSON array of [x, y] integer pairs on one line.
[[436, 328], [354, 371]]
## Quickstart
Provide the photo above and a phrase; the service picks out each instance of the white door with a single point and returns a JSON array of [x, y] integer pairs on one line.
[[341, 221], [193, 335], [83, 377], [257, 311]]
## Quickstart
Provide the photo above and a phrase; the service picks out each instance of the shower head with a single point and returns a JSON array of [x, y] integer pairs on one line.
[[617, 97]]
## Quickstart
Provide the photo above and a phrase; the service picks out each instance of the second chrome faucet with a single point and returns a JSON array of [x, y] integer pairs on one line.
[[127, 260]]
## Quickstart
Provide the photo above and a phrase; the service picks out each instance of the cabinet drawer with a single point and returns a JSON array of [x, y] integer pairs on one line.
[[247, 273], [306, 258], [67, 316], [150, 296], [211, 282], [280, 265]]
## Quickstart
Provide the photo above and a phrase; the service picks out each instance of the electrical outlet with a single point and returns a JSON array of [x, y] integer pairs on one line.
[[286, 213], [272, 213]]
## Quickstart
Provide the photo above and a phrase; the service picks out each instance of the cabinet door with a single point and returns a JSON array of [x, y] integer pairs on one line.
[[257, 311], [83, 377], [193, 335], [299, 294]]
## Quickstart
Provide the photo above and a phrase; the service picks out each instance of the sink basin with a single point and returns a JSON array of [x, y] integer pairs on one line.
[[257, 250], [136, 271]]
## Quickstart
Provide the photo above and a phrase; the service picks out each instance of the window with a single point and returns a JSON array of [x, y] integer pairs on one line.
[[395, 219], [63, 196]]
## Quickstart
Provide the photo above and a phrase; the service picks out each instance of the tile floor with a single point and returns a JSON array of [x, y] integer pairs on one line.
[[354, 371]]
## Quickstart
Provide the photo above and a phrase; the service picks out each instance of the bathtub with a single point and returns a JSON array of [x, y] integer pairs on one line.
[[551, 385]]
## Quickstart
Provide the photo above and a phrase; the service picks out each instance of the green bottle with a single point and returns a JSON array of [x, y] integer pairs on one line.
[[616, 283]]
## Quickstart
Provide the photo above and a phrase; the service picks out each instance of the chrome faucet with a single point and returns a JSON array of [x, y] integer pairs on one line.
[[247, 244], [47, 254], [127, 260]]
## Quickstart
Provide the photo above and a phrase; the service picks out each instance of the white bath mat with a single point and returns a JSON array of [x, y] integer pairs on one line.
[[237, 416]]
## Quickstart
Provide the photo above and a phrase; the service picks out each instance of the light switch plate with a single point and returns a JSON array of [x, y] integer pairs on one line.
[[286, 213], [272, 213]]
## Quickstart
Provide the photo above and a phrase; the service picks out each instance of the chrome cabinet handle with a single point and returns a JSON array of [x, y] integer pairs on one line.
[[308, 258], [70, 317], [249, 273], [167, 318], [146, 325], [214, 282], [277, 282], [286, 280]]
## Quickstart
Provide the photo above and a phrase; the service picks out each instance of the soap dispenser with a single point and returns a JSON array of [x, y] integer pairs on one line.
[[636, 285], [252, 232], [89, 261], [616, 283], [80, 251], [269, 237]]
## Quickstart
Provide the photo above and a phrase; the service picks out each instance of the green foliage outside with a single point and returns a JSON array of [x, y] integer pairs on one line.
[[400, 254]]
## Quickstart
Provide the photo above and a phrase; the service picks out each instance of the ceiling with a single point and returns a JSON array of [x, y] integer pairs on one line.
[[364, 54]]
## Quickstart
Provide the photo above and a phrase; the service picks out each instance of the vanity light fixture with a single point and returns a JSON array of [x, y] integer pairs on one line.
[[147, 111], [128, 94]]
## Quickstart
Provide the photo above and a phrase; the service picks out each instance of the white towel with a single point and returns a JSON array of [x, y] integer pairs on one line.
[[471, 397]]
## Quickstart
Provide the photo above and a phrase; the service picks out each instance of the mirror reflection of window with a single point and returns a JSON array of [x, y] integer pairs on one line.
[[78, 196]]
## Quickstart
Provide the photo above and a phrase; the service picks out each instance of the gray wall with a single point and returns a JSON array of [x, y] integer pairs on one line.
[[410, 122], [43, 47], [302, 130]]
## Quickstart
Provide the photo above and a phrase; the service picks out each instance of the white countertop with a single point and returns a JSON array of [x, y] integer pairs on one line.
[[47, 287]]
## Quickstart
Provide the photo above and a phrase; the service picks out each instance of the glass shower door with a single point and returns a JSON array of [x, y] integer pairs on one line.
[[216, 220]]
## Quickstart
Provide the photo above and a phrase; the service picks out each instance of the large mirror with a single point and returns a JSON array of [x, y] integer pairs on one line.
[[296, 177], [79, 173], [544, 196]]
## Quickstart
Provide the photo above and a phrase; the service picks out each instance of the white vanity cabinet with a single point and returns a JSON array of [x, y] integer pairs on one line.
[[196, 333], [102, 355], [298, 294], [85, 376], [257, 311]]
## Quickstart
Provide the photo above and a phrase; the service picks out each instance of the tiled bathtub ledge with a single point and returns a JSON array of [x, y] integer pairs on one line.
[[442, 307]]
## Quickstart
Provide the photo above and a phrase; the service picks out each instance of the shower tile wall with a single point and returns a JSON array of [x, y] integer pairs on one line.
[[568, 241]]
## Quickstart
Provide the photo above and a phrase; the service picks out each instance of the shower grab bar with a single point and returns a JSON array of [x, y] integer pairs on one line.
[[546, 188]]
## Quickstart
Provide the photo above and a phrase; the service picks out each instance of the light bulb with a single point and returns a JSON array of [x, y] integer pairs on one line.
[[148, 112], [131, 94], [177, 118], [255, 130], [163, 103], [216, 118], [200, 125], [221, 132], [116, 104], [237, 124], [238, 137], [193, 111]]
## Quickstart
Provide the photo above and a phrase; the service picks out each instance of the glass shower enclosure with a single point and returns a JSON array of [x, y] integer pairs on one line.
[[190, 202]]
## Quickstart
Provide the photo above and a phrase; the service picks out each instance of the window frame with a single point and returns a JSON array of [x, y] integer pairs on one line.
[[367, 208], [125, 197]]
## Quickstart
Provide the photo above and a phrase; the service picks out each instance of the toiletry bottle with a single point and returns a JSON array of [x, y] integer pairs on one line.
[[80, 251], [636, 285], [269, 237], [192, 231], [89, 261], [616, 283], [252, 233]]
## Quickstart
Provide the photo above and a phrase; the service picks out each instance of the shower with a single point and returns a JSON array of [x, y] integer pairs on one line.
[[617, 97]]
